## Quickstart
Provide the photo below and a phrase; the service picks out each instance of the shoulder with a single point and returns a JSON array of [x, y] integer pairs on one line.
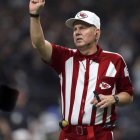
[[115, 58], [62, 51], [111, 55], [62, 48]]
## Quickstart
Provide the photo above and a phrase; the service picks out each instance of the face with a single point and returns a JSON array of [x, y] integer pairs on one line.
[[84, 35]]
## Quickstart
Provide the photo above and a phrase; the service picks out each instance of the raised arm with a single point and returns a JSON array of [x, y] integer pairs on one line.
[[37, 36]]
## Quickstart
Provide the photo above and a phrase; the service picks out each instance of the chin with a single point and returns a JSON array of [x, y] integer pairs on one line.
[[79, 45]]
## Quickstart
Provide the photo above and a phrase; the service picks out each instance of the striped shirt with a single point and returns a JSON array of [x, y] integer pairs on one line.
[[80, 75]]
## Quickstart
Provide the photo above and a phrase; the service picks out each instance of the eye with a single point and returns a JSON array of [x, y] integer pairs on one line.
[[83, 27], [74, 29]]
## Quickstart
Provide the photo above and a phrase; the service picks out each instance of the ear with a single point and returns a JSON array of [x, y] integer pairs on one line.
[[8, 98], [97, 34]]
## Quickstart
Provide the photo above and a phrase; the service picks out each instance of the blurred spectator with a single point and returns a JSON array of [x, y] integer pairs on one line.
[[5, 129], [21, 134], [136, 76]]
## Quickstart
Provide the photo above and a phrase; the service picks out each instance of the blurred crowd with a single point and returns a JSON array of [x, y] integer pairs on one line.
[[37, 112]]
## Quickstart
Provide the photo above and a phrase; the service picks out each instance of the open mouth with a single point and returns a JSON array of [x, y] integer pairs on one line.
[[79, 39]]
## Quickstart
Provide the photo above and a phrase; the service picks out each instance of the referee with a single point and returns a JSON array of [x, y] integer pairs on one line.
[[93, 81]]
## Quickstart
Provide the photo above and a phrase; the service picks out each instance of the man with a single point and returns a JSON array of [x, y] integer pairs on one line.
[[84, 72]]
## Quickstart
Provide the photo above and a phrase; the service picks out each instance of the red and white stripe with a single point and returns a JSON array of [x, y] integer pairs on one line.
[[77, 95], [79, 78]]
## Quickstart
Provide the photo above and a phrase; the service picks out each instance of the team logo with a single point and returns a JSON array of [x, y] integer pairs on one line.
[[104, 85], [82, 15]]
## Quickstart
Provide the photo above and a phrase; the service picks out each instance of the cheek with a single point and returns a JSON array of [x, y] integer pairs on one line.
[[74, 37], [90, 36]]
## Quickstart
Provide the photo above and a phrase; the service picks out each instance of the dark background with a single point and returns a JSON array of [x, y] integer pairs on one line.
[[22, 68]]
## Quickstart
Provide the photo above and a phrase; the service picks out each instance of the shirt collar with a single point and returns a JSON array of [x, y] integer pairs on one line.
[[94, 57]]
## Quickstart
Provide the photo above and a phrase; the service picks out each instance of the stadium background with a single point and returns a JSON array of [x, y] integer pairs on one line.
[[37, 114]]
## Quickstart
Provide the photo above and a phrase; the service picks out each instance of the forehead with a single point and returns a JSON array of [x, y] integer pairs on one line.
[[79, 22]]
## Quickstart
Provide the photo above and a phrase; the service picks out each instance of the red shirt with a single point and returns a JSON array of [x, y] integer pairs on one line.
[[80, 75]]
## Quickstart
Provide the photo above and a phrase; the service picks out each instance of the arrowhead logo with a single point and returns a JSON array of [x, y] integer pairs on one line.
[[104, 85], [82, 15]]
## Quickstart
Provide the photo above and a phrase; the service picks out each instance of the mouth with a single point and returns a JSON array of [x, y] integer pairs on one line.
[[79, 39]]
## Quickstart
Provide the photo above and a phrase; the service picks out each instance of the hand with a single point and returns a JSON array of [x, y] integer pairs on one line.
[[106, 101], [35, 6]]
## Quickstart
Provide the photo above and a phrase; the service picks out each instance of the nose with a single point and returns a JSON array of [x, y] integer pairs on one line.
[[77, 32]]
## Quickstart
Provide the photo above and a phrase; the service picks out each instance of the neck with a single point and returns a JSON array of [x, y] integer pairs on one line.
[[88, 51]]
